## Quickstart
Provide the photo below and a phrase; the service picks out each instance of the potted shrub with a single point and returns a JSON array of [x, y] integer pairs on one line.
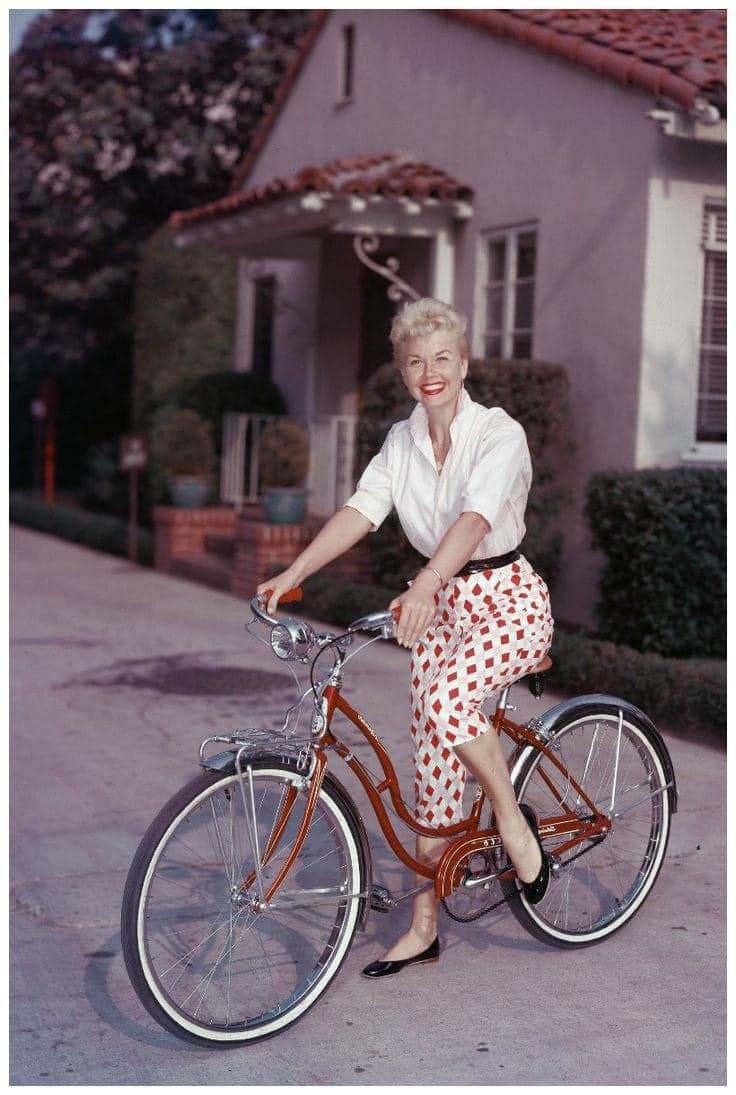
[[185, 448], [283, 463]]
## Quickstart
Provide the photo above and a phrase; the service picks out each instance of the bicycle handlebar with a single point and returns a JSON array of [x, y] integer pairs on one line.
[[290, 597], [373, 621]]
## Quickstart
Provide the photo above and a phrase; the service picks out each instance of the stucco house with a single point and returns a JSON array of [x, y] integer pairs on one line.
[[558, 174]]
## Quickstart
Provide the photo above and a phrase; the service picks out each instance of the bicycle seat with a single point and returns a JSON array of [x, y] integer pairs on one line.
[[535, 677]]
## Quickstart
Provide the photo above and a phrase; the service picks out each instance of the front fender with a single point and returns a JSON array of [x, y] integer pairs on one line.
[[579, 706]]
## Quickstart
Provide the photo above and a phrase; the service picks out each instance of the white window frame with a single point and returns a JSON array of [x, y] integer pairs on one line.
[[510, 236], [709, 452]]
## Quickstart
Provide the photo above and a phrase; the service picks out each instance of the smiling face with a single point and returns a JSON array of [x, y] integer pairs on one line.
[[433, 368]]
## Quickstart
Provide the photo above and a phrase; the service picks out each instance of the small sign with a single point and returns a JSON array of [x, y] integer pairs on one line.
[[133, 454]]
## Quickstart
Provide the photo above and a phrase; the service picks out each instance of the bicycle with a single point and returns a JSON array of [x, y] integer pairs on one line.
[[247, 889]]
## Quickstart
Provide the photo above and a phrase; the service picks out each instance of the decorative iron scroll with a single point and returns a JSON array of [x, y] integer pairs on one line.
[[367, 245]]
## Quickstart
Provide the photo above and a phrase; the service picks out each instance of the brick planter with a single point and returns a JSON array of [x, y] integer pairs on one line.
[[181, 532], [262, 550]]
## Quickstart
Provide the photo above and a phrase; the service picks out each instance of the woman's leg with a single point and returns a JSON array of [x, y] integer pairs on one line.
[[423, 928], [484, 757]]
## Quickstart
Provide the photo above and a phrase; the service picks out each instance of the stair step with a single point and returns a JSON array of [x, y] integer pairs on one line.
[[221, 544], [209, 570]]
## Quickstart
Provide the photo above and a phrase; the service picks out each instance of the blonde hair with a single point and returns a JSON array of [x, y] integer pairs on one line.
[[419, 318]]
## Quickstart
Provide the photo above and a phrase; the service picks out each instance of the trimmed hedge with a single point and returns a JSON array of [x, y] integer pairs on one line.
[[663, 532], [93, 530], [682, 696], [535, 393]]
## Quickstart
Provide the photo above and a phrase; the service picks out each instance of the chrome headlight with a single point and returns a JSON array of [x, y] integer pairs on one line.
[[292, 640]]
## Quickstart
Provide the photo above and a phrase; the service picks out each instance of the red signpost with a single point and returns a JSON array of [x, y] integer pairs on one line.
[[133, 458]]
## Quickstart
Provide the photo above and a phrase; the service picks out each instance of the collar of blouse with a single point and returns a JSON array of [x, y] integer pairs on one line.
[[419, 421]]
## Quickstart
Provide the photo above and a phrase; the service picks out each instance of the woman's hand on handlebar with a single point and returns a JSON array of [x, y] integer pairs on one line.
[[276, 587], [416, 608]]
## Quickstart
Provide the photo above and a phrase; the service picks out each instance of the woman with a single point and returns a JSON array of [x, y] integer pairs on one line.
[[476, 615]]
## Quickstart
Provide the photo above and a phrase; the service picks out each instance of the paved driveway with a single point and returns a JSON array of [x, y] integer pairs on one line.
[[117, 673]]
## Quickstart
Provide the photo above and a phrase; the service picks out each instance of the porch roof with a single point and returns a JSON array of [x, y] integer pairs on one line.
[[392, 193]]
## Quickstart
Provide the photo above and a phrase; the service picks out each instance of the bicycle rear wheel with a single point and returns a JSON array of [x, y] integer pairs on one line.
[[599, 884], [203, 960]]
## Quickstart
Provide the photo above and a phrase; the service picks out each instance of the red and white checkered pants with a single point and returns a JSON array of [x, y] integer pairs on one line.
[[489, 629]]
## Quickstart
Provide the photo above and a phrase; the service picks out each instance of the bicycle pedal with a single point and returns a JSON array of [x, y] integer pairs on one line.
[[381, 899]]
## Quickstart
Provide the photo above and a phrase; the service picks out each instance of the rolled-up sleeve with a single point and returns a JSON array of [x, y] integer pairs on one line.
[[502, 460], [374, 495]]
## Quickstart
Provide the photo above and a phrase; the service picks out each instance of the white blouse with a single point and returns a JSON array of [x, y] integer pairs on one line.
[[488, 471]]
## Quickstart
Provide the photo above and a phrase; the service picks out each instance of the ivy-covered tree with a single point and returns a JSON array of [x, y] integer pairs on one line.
[[118, 118]]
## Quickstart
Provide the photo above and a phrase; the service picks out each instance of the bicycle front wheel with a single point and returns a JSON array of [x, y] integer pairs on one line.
[[597, 885], [206, 962]]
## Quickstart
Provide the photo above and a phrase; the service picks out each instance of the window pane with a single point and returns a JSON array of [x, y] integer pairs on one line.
[[526, 256], [712, 372], [714, 323], [522, 346], [347, 68], [524, 305], [712, 419], [494, 313], [497, 260], [493, 346], [715, 276], [263, 318], [712, 378]]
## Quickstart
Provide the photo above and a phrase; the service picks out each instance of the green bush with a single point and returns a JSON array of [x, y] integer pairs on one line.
[[534, 393], [105, 486], [664, 581], [93, 530], [217, 394], [283, 454], [338, 601], [181, 443], [184, 318], [680, 695]]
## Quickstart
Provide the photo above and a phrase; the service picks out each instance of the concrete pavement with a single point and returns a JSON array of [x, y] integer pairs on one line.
[[117, 673]]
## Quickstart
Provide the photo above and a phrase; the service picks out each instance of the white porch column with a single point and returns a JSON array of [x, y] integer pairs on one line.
[[442, 274]]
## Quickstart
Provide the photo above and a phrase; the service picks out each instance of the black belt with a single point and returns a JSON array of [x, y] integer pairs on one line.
[[474, 566]]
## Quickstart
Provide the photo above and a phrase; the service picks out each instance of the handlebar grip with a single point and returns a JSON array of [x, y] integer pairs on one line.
[[290, 597]]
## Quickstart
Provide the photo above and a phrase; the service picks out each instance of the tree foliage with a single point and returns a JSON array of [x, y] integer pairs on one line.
[[118, 118]]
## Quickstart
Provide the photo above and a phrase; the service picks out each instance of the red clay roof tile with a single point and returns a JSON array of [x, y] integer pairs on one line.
[[392, 175], [683, 50]]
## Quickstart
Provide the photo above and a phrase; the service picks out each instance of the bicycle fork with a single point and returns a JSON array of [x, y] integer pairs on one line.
[[266, 895]]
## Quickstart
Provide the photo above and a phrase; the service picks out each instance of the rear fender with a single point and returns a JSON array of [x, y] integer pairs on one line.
[[549, 723]]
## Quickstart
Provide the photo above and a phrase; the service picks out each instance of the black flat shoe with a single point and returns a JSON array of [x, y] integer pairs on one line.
[[387, 969], [535, 890]]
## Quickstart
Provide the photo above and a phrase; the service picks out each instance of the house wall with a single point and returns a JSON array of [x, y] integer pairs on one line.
[[686, 174], [540, 140]]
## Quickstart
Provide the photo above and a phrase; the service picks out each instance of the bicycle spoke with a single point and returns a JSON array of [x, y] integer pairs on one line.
[[599, 886], [212, 964]]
